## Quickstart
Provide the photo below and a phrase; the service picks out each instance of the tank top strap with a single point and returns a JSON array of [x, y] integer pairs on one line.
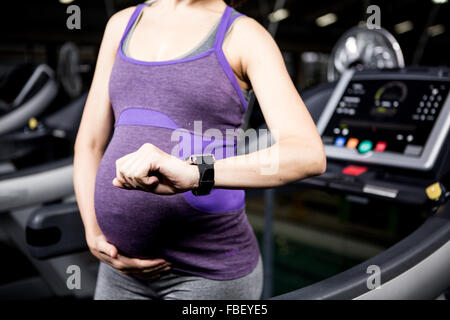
[[227, 21], [223, 26], [233, 17], [229, 16], [133, 18]]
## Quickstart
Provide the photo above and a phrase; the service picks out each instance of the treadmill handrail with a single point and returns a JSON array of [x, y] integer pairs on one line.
[[432, 235], [32, 107], [37, 169], [44, 186], [43, 68]]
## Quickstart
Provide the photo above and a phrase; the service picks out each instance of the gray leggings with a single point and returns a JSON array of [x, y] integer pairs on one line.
[[113, 285]]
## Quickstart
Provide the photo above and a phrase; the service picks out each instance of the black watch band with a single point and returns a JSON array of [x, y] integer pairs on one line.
[[206, 181], [205, 164]]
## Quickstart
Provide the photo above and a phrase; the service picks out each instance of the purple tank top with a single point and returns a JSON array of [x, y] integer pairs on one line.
[[208, 235]]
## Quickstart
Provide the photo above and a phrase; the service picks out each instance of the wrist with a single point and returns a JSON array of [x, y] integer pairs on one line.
[[194, 176], [91, 235]]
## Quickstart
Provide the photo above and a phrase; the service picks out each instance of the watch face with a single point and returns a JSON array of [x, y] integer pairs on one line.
[[201, 159]]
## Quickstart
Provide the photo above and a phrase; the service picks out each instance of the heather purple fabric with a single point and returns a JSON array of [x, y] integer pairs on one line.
[[208, 235]]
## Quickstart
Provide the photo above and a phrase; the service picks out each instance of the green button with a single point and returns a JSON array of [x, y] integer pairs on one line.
[[365, 146]]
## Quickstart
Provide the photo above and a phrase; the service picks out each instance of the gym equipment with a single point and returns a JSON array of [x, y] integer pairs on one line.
[[382, 151], [69, 69], [37, 160], [38, 173], [364, 48], [414, 268], [406, 111], [35, 95], [30, 185], [54, 230]]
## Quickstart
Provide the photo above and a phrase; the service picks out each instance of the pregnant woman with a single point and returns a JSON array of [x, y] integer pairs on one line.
[[163, 226]]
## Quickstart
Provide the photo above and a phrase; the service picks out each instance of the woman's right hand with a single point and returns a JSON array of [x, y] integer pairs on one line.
[[145, 269]]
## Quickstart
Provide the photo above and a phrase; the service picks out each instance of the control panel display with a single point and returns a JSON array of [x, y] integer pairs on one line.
[[386, 116]]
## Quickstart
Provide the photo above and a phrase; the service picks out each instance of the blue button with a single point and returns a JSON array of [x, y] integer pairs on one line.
[[340, 141]]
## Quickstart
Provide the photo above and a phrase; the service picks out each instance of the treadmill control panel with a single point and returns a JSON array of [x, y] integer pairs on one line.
[[388, 118]]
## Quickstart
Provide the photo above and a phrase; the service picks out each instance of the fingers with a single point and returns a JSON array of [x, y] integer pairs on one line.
[[122, 181], [143, 268], [142, 170], [127, 266], [140, 266], [147, 273], [127, 172], [141, 263], [163, 267], [150, 181], [139, 271], [118, 184], [106, 248], [150, 276], [136, 170], [132, 171]]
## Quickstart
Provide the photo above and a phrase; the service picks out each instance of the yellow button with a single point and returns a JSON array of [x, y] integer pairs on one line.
[[352, 143], [32, 123], [434, 191]]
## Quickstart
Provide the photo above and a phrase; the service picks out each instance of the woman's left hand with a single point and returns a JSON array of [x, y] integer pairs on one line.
[[153, 170]]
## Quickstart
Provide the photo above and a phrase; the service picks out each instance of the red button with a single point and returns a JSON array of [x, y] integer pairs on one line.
[[354, 170], [381, 146]]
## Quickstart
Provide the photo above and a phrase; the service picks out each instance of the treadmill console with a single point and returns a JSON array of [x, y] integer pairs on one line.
[[397, 118]]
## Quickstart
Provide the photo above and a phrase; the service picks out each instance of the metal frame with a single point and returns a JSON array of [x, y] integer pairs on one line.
[[47, 183], [35, 105]]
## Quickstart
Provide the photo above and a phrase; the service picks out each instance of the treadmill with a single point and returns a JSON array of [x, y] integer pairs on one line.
[[36, 160], [36, 171], [385, 163], [386, 136], [25, 91]]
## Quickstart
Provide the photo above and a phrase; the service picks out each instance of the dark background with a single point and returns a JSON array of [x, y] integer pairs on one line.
[[34, 30]]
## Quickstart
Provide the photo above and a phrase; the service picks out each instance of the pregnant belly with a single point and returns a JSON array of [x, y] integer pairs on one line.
[[142, 224], [132, 220]]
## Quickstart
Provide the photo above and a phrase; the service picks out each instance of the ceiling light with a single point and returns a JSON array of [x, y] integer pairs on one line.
[[65, 1], [326, 19], [403, 27], [439, 1], [436, 30], [279, 15]]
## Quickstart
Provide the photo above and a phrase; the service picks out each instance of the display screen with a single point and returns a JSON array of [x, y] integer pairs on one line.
[[386, 116]]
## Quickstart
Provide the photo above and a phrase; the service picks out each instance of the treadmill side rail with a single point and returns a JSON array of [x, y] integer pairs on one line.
[[427, 247], [55, 230]]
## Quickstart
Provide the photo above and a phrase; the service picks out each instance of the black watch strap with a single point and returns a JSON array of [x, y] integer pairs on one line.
[[206, 181], [205, 164]]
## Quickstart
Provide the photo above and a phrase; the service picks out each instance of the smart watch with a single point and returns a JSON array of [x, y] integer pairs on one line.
[[205, 164]]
